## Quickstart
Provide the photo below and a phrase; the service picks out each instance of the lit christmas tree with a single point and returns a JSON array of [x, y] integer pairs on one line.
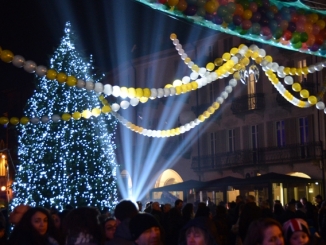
[[66, 162]]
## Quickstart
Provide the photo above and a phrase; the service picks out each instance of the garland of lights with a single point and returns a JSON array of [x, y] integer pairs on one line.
[[230, 63]]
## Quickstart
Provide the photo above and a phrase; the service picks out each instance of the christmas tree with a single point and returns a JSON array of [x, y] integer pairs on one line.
[[66, 162]]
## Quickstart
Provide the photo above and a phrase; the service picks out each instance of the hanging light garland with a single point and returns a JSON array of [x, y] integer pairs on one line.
[[234, 62]]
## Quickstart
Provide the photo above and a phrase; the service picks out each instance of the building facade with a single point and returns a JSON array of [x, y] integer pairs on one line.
[[255, 131]]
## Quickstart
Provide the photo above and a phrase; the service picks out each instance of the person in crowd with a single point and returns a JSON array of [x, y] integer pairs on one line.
[[140, 206], [249, 213], [199, 231], [123, 212], [211, 205], [322, 221], [318, 201], [157, 212], [17, 213], [166, 208], [239, 201], [296, 232], [173, 223], [145, 229], [178, 204], [300, 211], [109, 226], [222, 224], [82, 227], [148, 207], [187, 213], [203, 211], [289, 212], [266, 210], [278, 212], [264, 231], [36, 227]]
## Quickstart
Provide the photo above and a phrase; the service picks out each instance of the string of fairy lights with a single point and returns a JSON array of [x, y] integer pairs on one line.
[[231, 63]]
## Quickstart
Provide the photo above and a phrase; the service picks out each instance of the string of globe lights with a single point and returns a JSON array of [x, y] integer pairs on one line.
[[228, 64]]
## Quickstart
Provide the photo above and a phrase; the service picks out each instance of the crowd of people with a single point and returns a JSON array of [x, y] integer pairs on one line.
[[242, 222]]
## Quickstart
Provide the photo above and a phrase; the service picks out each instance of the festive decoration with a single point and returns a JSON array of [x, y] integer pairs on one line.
[[287, 25], [64, 160]]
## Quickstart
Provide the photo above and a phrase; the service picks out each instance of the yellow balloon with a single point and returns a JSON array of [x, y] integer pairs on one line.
[[210, 66], [226, 56], [258, 60], [233, 51], [173, 36], [14, 120], [86, 114], [139, 92], [61, 77], [216, 105], [146, 92], [66, 117], [76, 115], [172, 3], [293, 71], [96, 112], [131, 93], [312, 100], [236, 75], [188, 86], [201, 118], [71, 81], [206, 114], [143, 99], [195, 68], [269, 58], [187, 60], [305, 71], [4, 120], [168, 86], [51, 74], [24, 120], [304, 93], [101, 97], [183, 88], [6, 56], [106, 109], [178, 90], [218, 61], [321, 24], [296, 87], [194, 85]]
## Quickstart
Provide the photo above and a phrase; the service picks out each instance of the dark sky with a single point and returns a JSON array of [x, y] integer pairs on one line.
[[111, 30]]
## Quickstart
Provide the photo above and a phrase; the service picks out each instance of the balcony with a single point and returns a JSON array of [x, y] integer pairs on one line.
[[248, 103], [259, 157]]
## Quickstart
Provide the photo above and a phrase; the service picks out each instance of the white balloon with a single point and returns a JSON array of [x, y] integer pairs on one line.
[[228, 89], [264, 63], [153, 93], [34, 120], [41, 71], [18, 61], [116, 91], [194, 75], [181, 51], [204, 81], [108, 89], [172, 91], [288, 80], [320, 105], [30, 66], [115, 107], [311, 69], [187, 127], [235, 59], [175, 42], [233, 82], [45, 119], [220, 100], [185, 79], [202, 71], [134, 101], [178, 46], [80, 83], [253, 47], [160, 93], [280, 69], [318, 66], [56, 118], [197, 121], [166, 92], [262, 52], [124, 104], [98, 87], [190, 64], [274, 67], [224, 95], [89, 86], [281, 75], [184, 56], [200, 83], [182, 129], [192, 124]]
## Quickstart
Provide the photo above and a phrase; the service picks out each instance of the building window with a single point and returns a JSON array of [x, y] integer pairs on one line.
[[213, 139], [301, 64], [280, 133], [231, 140], [254, 136], [303, 129]]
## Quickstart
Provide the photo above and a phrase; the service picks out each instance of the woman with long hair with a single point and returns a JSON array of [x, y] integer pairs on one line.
[[264, 231], [36, 227]]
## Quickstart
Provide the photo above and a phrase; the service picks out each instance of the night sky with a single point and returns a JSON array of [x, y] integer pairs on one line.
[[113, 31]]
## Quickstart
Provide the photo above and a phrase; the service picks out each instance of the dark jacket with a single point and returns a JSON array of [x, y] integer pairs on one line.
[[249, 213]]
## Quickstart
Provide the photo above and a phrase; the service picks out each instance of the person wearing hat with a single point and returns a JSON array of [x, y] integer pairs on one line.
[[145, 229], [296, 232]]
